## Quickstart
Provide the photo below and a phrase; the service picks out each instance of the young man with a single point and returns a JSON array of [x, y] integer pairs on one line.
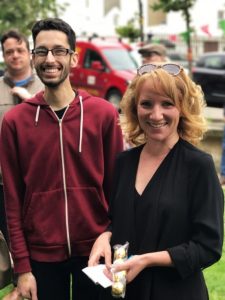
[[57, 162], [18, 83]]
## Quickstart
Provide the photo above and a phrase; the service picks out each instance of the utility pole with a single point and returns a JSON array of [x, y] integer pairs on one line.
[[189, 42], [140, 5]]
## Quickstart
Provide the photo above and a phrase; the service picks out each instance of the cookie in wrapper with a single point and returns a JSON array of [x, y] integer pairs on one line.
[[119, 278]]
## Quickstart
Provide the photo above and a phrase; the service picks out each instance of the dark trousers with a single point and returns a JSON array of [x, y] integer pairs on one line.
[[56, 280], [3, 226]]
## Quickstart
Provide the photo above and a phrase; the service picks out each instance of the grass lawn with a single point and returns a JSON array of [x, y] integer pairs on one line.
[[215, 277]]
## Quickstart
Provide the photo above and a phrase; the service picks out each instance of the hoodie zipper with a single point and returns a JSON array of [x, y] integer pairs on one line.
[[64, 186], [63, 162], [63, 174], [64, 178]]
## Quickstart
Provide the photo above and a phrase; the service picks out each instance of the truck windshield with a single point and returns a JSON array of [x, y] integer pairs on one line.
[[120, 59]]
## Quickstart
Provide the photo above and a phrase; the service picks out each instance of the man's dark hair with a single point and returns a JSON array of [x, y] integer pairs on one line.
[[14, 34], [55, 24]]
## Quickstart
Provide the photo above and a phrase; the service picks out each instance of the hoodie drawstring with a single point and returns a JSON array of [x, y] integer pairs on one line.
[[81, 123], [37, 115]]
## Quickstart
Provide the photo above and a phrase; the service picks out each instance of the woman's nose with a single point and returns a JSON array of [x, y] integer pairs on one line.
[[156, 112]]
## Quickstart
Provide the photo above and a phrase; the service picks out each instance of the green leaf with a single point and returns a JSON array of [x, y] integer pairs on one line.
[[22, 14]]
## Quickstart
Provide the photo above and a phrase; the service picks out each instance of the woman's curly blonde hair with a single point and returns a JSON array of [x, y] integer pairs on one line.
[[187, 96]]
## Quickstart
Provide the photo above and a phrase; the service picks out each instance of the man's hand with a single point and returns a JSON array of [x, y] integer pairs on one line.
[[101, 248], [27, 286], [21, 92]]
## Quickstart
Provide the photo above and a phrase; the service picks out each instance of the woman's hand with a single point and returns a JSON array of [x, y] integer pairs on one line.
[[101, 248], [133, 266], [21, 92]]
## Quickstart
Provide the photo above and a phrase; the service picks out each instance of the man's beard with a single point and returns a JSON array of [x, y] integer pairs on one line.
[[52, 84]]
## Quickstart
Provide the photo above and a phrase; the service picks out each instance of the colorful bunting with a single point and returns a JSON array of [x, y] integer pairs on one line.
[[173, 37], [222, 25], [185, 35], [205, 29]]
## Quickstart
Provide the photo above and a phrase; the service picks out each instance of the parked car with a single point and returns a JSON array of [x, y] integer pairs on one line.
[[209, 72], [105, 68], [178, 58]]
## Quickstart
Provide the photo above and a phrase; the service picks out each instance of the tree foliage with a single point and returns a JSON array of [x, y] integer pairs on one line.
[[175, 5], [21, 14], [128, 31], [179, 5]]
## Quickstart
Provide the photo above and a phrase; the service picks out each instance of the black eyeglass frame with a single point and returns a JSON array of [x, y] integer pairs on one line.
[[148, 68], [53, 50]]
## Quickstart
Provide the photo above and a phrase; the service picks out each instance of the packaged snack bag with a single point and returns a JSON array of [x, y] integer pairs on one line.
[[119, 278]]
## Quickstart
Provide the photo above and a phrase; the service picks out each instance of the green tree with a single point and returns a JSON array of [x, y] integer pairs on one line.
[[22, 14], [128, 31], [184, 6]]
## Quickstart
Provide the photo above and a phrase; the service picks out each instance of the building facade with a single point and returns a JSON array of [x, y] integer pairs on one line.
[[101, 17]]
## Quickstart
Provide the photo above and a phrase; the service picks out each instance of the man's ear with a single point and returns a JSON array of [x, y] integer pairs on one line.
[[32, 58], [74, 59]]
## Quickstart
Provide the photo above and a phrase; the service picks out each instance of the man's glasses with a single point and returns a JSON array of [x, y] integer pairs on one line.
[[172, 69], [42, 52]]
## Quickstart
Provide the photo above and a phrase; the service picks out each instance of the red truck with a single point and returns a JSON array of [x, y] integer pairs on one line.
[[105, 68]]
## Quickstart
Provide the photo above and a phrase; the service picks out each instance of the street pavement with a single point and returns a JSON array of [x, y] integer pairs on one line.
[[214, 118], [212, 142]]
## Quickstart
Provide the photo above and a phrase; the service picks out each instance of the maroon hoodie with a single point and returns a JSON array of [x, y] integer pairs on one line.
[[57, 176]]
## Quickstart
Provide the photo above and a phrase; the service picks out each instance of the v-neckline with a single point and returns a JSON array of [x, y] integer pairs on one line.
[[155, 174]]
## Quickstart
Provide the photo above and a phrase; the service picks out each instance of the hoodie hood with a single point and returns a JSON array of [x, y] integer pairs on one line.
[[39, 101]]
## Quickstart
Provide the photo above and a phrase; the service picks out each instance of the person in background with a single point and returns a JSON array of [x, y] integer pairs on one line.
[[222, 163], [153, 53], [17, 84], [7, 289], [167, 201], [57, 154]]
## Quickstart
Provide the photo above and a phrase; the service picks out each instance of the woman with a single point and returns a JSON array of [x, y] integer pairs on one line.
[[167, 201]]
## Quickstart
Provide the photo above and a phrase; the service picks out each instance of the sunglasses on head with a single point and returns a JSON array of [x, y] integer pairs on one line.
[[172, 69]]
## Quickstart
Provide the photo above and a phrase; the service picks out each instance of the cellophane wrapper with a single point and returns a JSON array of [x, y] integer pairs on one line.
[[119, 278]]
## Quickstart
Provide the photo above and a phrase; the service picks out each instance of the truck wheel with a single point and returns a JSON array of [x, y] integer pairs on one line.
[[114, 97]]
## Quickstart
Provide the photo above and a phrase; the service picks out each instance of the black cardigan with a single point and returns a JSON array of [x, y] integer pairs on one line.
[[182, 212]]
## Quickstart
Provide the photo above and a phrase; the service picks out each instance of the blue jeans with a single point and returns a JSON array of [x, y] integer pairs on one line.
[[222, 164]]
